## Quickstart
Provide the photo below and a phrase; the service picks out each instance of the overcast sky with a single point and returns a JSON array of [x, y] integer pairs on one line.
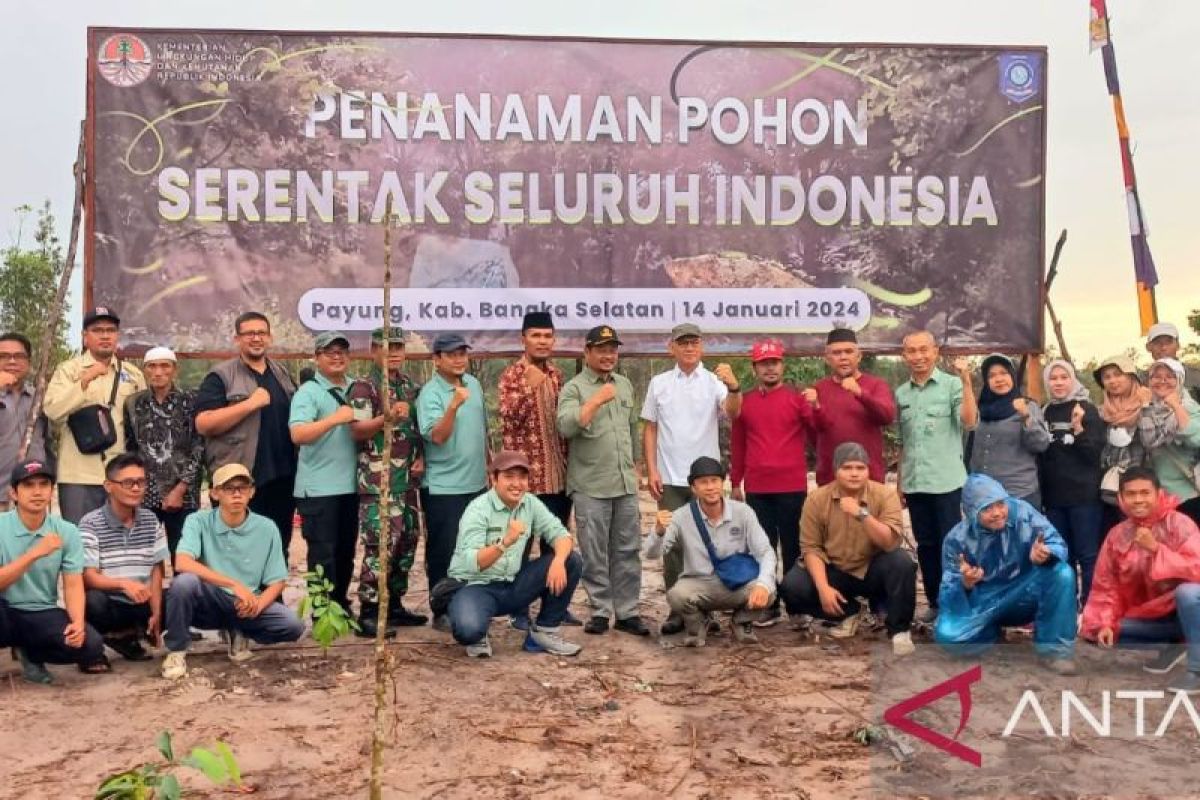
[[44, 51]]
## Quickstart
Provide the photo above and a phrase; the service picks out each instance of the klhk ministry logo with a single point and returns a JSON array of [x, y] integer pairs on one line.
[[124, 60]]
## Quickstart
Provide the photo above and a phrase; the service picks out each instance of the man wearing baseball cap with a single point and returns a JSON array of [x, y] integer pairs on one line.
[[729, 528], [37, 550], [768, 468], [97, 377], [326, 490], [230, 574], [159, 428], [489, 559], [453, 421], [682, 415], [1162, 341], [399, 519], [596, 415]]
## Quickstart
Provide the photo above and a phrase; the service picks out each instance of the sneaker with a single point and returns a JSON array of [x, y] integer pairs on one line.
[[519, 622], [401, 617], [902, 644], [1188, 683], [368, 626], [239, 647], [772, 616], [441, 623], [802, 623], [671, 626], [1060, 666], [549, 640], [174, 665], [481, 649], [712, 624], [33, 671], [846, 628], [596, 625], [695, 638], [1167, 659], [743, 633]]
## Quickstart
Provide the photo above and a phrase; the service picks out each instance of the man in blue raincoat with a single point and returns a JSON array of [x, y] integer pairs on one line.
[[1005, 565]]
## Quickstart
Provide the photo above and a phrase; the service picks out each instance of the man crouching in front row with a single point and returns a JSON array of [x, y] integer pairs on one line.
[[231, 575], [716, 533], [489, 560]]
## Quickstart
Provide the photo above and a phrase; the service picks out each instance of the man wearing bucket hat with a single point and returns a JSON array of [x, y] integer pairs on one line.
[[399, 519], [159, 428], [326, 490], [730, 530]]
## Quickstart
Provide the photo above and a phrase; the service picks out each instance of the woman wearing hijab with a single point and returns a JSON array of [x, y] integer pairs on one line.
[[1070, 468], [1011, 432], [1169, 428], [1124, 399]]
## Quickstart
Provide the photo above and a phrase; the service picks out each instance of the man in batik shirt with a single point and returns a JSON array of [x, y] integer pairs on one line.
[[407, 465], [529, 390], [159, 428]]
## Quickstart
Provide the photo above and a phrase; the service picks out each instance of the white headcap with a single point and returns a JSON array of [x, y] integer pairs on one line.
[[159, 354], [1162, 329]]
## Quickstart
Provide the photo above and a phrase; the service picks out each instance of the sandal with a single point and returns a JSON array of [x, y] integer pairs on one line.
[[33, 671], [99, 667]]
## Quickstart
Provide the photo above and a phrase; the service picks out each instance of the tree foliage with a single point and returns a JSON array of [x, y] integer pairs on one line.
[[29, 281]]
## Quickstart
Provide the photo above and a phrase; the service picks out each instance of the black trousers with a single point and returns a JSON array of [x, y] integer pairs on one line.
[[40, 635], [1191, 508], [330, 529], [932, 515], [107, 614], [274, 500], [173, 522], [442, 514], [891, 578], [560, 506], [779, 514]]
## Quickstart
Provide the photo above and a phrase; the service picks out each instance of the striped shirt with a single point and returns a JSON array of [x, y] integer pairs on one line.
[[120, 552]]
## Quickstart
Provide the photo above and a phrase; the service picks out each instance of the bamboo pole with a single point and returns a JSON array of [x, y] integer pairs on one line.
[[41, 376], [382, 658]]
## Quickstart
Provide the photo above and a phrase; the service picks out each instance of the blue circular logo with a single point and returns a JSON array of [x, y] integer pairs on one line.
[[1019, 74]]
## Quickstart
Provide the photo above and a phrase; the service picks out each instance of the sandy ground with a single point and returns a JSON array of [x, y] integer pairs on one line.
[[627, 718]]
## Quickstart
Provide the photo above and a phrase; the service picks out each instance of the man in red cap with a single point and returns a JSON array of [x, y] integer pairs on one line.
[[769, 470]]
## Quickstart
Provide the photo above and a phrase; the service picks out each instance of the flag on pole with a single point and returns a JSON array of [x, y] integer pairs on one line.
[[1145, 274]]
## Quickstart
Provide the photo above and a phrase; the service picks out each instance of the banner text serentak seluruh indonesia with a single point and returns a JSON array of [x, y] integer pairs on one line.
[[212, 194]]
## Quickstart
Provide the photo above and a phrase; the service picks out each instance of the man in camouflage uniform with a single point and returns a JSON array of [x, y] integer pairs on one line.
[[407, 465]]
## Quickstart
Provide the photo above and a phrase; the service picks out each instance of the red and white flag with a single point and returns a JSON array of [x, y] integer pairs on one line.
[[1098, 25]]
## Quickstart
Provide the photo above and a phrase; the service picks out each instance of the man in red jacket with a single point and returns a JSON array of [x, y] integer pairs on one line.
[[1146, 589], [768, 469], [849, 406]]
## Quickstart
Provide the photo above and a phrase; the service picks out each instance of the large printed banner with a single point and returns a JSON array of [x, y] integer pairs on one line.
[[751, 189]]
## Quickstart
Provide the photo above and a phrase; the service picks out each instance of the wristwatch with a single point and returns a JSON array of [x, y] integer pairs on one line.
[[503, 547], [863, 513]]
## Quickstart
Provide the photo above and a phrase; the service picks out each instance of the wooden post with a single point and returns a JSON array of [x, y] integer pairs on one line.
[[54, 316], [382, 658]]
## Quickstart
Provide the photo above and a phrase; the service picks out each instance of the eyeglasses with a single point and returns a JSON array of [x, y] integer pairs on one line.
[[334, 352], [237, 488], [254, 334], [18, 357], [130, 484]]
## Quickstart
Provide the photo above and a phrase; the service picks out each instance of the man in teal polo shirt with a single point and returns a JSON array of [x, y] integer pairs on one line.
[[326, 490], [230, 575], [35, 549], [934, 409], [490, 560], [453, 422]]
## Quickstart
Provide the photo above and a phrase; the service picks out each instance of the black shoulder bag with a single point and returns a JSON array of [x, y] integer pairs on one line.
[[92, 426]]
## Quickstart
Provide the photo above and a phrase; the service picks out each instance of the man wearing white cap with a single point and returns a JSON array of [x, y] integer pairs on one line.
[[159, 428], [1162, 341]]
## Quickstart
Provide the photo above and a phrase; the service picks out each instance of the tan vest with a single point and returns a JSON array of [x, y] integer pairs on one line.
[[239, 444]]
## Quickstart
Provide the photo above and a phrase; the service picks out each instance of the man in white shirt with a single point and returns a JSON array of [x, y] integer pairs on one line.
[[682, 414]]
